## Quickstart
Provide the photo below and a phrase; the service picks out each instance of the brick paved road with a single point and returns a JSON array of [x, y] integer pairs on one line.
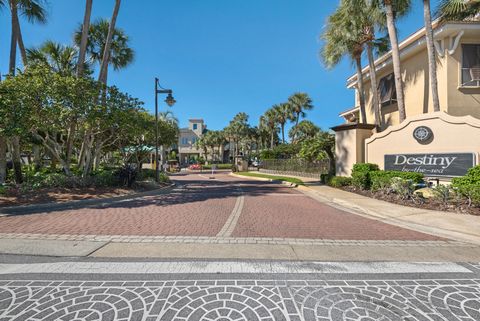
[[225, 206]]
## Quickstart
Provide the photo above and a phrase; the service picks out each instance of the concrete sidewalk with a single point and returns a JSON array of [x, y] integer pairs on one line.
[[456, 226]]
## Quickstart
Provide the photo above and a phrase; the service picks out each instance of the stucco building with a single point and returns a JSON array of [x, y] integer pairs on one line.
[[187, 151], [453, 130]]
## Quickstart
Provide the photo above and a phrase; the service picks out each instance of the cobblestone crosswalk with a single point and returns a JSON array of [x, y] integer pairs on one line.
[[246, 298]]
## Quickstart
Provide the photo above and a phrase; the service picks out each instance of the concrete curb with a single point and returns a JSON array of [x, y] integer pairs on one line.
[[37, 208], [346, 205], [265, 180]]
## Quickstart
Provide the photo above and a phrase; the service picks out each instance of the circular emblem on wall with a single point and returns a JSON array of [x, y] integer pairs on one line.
[[423, 134]]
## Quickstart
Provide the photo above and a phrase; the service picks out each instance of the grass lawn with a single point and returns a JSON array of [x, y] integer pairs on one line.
[[274, 177]]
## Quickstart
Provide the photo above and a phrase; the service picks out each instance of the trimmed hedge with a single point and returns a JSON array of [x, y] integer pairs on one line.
[[469, 185], [219, 166], [361, 174], [383, 179], [339, 181]]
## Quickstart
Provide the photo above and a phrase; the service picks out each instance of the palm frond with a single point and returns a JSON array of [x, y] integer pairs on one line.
[[33, 10], [458, 10]]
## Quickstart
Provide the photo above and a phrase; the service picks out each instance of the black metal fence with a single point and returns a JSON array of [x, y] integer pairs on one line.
[[295, 167]]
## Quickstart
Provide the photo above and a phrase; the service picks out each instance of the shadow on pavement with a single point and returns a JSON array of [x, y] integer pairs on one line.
[[186, 191]]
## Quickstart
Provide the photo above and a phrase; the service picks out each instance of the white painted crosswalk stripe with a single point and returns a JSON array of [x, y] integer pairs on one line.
[[203, 267]]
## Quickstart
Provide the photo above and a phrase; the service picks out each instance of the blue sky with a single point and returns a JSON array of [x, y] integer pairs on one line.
[[220, 57]]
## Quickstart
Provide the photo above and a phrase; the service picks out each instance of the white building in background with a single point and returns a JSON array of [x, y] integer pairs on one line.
[[187, 151]]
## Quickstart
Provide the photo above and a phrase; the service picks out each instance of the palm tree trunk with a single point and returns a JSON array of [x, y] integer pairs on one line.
[[374, 85], [392, 33], [295, 129], [271, 140], [13, 38], [432, 62], [21, 45], [283, 133], [3, 159], [361, 90], [106, 52], [16, 158], [83, 42]]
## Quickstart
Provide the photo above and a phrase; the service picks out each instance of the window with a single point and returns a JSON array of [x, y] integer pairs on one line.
[[386, 88], [195, 126], [184, 141], [471, 65]]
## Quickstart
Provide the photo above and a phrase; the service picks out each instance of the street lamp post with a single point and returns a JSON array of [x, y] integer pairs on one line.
[[170, 102]]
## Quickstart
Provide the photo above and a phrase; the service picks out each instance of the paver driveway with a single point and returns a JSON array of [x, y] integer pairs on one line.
[[224, 206]]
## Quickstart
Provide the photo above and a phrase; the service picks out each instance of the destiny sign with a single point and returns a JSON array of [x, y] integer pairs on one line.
[[449, 165]]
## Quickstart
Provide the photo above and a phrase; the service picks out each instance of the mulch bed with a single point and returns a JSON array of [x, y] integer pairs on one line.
[[60, 195], [428, 204]]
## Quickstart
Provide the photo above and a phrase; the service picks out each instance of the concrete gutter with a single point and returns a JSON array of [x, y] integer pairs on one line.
[[265, 180], [49, 207]]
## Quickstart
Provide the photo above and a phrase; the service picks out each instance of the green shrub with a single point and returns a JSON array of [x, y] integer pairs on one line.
[[443, 193], [105, 178], [3, 190], [361, 174], [325, 178], [163, 178], [405, 188], [146, 174], [219, 166], [469, 185], [382, 180], [340, 181]]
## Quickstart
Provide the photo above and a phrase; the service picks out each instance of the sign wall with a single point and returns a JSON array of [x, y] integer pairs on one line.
[[436, 165]]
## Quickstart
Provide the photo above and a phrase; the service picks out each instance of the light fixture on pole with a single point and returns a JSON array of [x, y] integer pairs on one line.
[[170, 102]]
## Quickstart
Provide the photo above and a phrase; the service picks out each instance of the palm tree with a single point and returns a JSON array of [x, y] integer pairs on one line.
[[33, 11], [269, 120], [394, 9], [458, 10], [432, 61], [340, 40], [366, 16], [102, 77], [60, 58], [121, 55], [303, 130], [299, 102], [283, 114], [168, 116], [82, 51], [201, 144]]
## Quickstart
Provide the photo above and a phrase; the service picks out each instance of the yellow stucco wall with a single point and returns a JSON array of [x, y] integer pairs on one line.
[[461, 101], [453, 99], [451, 134], [349, 149]]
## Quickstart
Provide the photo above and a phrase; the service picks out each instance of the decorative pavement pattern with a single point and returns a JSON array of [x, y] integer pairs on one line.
[[228, 240], [242, 300]]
